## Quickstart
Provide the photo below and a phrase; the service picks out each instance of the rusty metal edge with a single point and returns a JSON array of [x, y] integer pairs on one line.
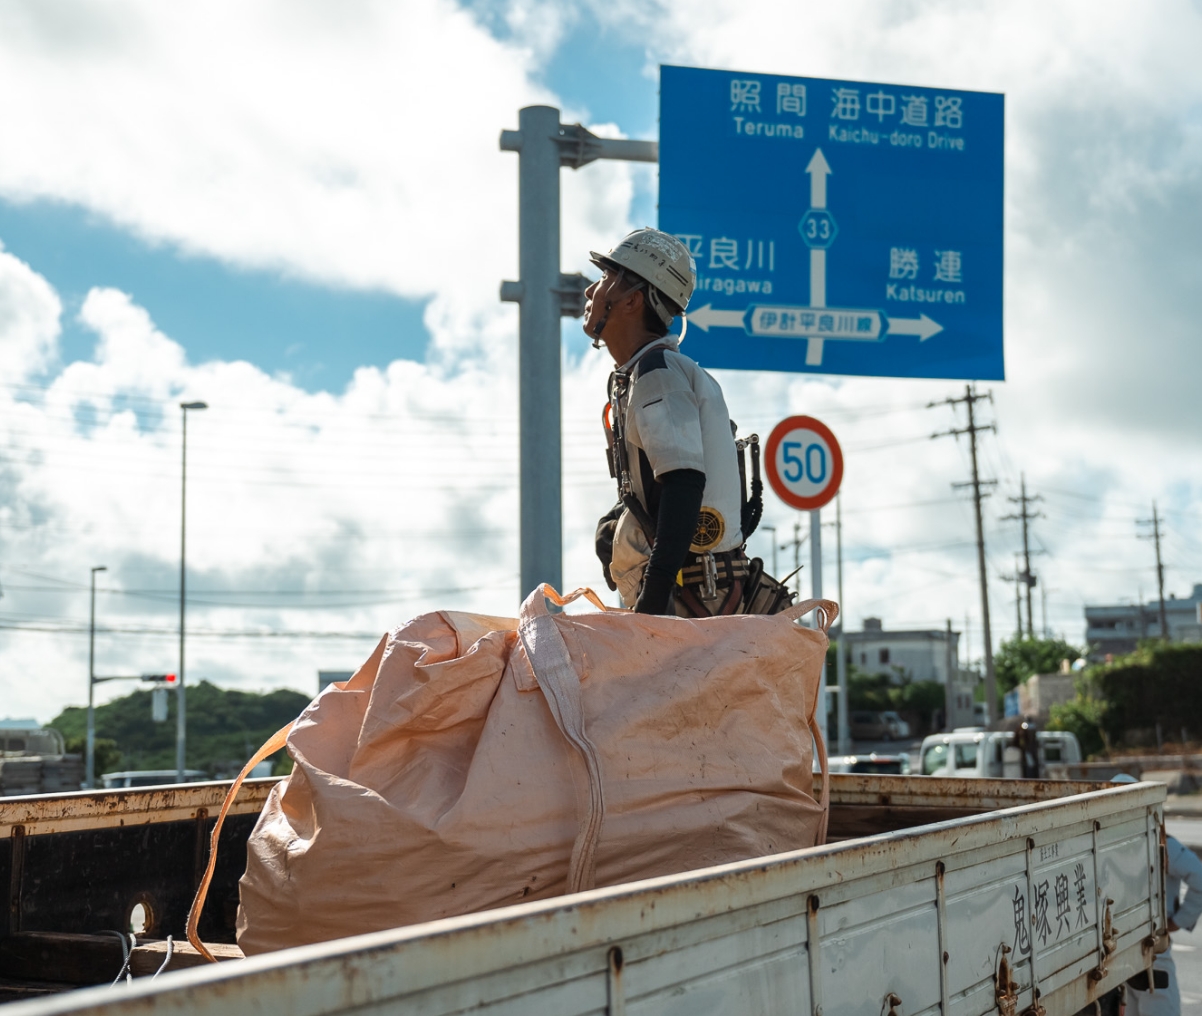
[[372, 968], [54, 813], [42, 815]]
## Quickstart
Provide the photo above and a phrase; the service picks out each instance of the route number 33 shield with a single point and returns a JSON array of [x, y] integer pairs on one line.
[[804, 462]]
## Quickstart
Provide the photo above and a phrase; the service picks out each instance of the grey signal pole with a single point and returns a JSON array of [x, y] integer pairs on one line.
[[181, 728], [970, 398], [844, 731], [544, 294], [89, 779]]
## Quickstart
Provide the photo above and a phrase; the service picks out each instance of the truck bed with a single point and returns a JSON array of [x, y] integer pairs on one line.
[[929, 890]]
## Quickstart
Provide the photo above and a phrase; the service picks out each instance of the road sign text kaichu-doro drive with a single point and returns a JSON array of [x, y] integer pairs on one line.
[[839, 227]]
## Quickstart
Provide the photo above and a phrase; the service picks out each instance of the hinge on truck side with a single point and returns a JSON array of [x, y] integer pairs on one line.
[[1110, 942], [1005, 989]]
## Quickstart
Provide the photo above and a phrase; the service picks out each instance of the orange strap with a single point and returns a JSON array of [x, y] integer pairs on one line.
[[274, 744]]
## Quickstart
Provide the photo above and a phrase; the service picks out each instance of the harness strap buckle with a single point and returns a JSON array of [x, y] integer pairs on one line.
[[709, 588]]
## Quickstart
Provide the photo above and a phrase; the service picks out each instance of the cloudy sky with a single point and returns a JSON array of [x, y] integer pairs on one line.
[[298, 212]]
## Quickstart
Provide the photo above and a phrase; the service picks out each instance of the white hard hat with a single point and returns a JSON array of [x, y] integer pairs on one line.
[[660, 259]]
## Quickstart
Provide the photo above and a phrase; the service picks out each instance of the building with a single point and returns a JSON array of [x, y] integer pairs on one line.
[[922, 655], [1116, 629], [1036, 696], [929, 655], [325, 678]]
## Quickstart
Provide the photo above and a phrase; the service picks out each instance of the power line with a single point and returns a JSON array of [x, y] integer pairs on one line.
[[81, 628]]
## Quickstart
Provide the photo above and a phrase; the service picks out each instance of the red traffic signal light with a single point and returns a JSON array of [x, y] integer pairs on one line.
[[170, 680]]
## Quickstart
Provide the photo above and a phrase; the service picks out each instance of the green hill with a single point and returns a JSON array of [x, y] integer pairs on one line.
[[225, 728]]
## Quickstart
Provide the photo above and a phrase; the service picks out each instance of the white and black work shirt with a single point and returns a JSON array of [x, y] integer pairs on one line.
[[676, 418]]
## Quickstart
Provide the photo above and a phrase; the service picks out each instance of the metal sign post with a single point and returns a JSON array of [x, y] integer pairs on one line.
[[805, 467], [544, 294], [816, 592]]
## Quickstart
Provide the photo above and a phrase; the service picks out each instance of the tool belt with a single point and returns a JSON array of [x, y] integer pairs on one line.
[[712, 584], [729, 566], [728, 583]]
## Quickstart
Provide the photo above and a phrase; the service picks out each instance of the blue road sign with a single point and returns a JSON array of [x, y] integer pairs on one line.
[[839, 227]]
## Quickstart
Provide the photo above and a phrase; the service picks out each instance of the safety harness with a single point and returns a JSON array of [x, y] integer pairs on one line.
[[703, 574]]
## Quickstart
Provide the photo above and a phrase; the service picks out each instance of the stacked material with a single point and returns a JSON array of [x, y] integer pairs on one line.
[[61, 773], [20, 775]]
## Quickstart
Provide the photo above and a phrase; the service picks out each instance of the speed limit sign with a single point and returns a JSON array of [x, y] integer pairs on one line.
[[804, 462]]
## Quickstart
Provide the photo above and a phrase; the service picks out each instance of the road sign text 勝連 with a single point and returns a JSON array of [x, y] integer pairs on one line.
[[838, 227]]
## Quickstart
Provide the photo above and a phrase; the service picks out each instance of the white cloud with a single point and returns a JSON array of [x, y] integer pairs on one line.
[[353, 145], [29, 313]]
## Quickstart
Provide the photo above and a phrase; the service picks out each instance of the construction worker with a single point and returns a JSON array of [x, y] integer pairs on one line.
[[674, 542]]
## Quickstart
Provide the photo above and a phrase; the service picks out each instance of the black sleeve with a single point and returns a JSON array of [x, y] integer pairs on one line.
[[675, 526]]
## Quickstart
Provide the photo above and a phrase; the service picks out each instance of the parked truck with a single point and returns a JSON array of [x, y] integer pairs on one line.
[[949, 896], [977, 752]]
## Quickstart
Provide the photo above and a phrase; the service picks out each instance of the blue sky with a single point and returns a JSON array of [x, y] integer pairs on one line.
[[316, 334]]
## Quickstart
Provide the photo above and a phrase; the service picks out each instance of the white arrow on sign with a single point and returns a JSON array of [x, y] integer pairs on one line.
[[706, 318], [922, 326], [818, 169]]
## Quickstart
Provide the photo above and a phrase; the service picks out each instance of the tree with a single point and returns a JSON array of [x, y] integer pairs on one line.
[[107, 754], [225, 727], [919, 700], [1084, 716], [1157, 684], [1019, 658]]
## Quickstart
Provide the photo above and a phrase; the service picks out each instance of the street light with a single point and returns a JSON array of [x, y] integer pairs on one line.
[[181, 701], [90, 750]]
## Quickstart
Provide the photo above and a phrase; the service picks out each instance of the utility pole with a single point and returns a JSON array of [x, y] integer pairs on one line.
[[772, 530], [1154, 522], [949, 687], [1026, 516], [1017, 579], [970, 398], [544, 295], [795, 543], [89, 779], [844, 731]]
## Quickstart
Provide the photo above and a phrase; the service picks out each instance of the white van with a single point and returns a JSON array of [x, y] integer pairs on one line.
[[976, 752]]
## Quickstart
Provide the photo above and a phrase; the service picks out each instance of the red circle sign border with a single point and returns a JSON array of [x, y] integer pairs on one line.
[[804, 504]]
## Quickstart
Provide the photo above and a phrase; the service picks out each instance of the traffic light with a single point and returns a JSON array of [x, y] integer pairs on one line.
[[167, 680]]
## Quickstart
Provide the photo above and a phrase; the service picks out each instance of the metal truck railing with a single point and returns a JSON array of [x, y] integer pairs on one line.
[[1035, 908]]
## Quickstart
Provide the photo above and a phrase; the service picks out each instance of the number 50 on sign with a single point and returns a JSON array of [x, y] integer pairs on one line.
[[804, 462]]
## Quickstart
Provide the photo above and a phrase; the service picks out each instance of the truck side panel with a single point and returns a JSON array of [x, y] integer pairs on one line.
[[926, 916]]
